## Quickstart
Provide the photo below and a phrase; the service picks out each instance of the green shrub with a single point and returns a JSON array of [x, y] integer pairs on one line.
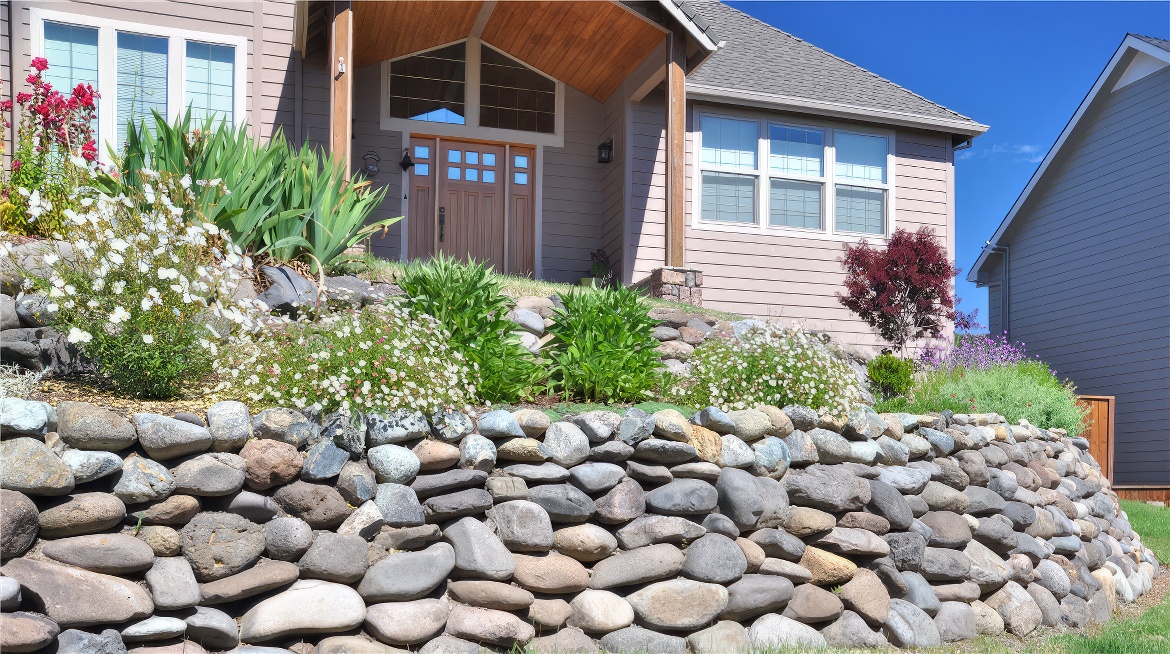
[[378, 359], [890, 375], [139, 286], [285, 202], [603, 347], [466, 300], [1026, 390], [768, 364]]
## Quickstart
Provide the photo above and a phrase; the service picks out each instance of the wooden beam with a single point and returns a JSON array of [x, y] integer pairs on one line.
[[676, 132], [341, 84]]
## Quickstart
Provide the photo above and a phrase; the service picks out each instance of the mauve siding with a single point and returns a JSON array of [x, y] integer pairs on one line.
[[572, 223], [647, 200], [613, 183], [995, 299], [6, 74], [797, 279], [369, 136], [1090, 287]]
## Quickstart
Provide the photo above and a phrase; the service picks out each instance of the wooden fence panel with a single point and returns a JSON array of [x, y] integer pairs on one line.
[[1099, 429]]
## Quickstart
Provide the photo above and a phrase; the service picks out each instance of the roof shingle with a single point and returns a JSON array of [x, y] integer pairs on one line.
[[760, 58], [1153, 40]]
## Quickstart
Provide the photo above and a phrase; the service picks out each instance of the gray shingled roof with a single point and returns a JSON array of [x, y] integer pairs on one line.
[[762, 59], [1152, 40], [703, 25]]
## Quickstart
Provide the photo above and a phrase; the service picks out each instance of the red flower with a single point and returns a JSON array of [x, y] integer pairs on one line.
[[15, 165], [5, 105], [89, 150], [23, 97], [40, 64]]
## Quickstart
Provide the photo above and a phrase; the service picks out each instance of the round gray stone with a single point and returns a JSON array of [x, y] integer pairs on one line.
[[91, 465], [323, 461], [393, 464], [399, 506], [117, 554], [230, 425], [683, 497], [166, 438], [522, 526], [89, 427], [143, 480], [596, 477], [214, 474], [714, 558], [221, 544], [566, 443], [172, 583], [405, 576], [18, 523], [564, 503], [31, 467], [335, 557]]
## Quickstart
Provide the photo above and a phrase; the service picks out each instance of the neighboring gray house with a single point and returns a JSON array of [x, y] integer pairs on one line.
[[666, 133], [1079, 270]]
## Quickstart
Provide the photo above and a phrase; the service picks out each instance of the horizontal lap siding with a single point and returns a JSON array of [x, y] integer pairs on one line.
[[1090, 284], [648, 185], [797, 279], [369, 136], [572, 224], [613, 184], [6, 74], [277, 73]]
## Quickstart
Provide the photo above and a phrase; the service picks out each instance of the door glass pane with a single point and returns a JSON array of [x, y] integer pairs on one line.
[[860, 209], [729, 142], [794, 204], [513, 96], [429, 86], [472, 157], [142, 80], [521, 161], [472, 175], [210, 80], [454, 156], [729, 198], [489, 177], [796, 151], [422, 152], [489, 159], [453, 172], [861, 157], [521, 178], [422, 170]]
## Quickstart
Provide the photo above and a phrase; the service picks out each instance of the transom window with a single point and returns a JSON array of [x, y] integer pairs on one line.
[[139, 69], [774, 175], [470, 84]]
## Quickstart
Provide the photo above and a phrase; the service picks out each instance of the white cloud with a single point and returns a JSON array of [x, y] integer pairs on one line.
[[1019, 153]]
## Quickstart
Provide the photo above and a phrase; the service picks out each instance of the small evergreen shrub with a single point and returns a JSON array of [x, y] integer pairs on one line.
[[380, 359], [768, 364], [603, 347], [890, 375], [466, 300]]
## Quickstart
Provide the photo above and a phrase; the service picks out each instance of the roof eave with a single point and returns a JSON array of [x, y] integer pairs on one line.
[[700, 37], [967, 128], [1130, 42]]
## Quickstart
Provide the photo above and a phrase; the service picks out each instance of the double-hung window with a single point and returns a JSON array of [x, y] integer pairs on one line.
[[139, 69], [774, 176]]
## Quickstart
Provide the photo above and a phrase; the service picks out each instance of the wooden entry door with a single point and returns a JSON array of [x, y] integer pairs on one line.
[[472, 200]]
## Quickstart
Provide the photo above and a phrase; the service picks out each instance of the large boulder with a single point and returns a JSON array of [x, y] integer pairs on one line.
[[72, 597], [309, 606], [221, 544]]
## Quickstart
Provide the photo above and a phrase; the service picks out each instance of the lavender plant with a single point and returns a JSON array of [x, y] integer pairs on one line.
[[974, 352]]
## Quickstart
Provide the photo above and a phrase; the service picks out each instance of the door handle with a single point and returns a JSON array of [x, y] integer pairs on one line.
[[442, 222]]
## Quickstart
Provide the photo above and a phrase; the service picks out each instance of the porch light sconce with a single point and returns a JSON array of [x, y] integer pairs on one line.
[[605, 152], [406, 163], [371, 160]]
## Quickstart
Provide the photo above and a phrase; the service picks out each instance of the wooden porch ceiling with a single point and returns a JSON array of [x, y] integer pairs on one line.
[[591, 45]]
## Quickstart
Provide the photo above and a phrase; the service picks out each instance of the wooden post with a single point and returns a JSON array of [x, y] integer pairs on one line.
[[676, 132], [341, 86]]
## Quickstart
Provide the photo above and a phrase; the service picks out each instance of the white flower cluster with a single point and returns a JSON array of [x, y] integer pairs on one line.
[[378, 359], [770, 364]]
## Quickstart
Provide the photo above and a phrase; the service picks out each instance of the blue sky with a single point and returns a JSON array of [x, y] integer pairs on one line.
[[1020, 67]]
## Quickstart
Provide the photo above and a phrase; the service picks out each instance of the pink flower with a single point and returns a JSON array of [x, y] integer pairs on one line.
[[40, 64], [23, 97]]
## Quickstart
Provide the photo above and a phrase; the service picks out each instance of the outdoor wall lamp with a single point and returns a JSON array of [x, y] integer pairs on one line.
[[605, 152], [371, 160], [406, 163]]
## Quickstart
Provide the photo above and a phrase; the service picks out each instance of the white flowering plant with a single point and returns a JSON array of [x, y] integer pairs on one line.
[[144, 286], [768, 364], [380, 358]]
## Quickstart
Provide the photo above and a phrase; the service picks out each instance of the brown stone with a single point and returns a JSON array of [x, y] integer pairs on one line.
[[270, 463], [490, 595], [754, 553], [827, 569], [25, 632], [553, 573], [811, 604], [805, 521], [708, 443], [261, 578], [175, 510], [550, 613], [867, 521], [435, 455], [691, 336], [866, 595]]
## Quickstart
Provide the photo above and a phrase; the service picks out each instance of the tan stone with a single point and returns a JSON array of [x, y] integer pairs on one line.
[[163, 541], [707, 442], [671, 424], [1107, 586], [553, 573], [781, 423], [527, 450], [1001, 432], [533, 422], [893, 426], [435, 455], [866, 595], [551, 613], [754, 553], [827, 569], [806, 521], [490, 594]]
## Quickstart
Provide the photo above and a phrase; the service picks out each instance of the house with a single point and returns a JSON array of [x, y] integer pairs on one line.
[[531, 134], [1079, 269]]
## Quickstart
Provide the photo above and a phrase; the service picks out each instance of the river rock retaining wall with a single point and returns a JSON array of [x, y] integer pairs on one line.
[[281, 532]]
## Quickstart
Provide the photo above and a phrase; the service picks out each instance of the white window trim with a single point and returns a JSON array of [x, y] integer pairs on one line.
[[107, 82], [471, 128], [762, 173]]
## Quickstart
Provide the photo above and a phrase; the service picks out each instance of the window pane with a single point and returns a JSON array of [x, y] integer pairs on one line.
[[422, 152], [422, 170], [472, 157], [861, 209], [471, 175], [454, 156], [861, 157], [521, 178], [453, 172], [795, 204], [489, 159], [142, 80], [210, 80], [796, 151], [489, 176], [520, 161], [513, 96], [729, 198], [430, 86], [729, 142], [73, 58]]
